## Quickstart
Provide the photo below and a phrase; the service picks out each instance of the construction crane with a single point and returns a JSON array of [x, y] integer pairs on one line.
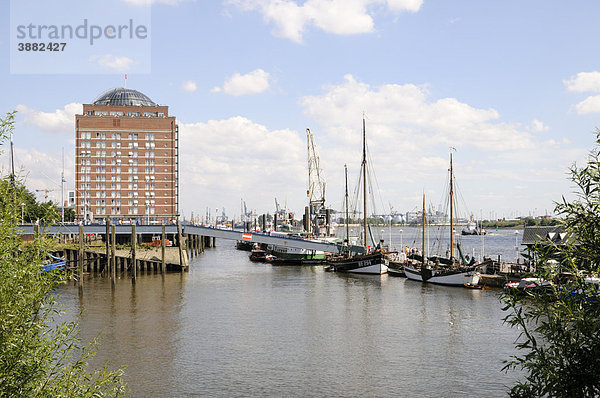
[[316, 184], [45, 191], [319, 215]]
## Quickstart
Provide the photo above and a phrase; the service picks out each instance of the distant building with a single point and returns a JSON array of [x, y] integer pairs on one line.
[[126, 159], [70, 202]]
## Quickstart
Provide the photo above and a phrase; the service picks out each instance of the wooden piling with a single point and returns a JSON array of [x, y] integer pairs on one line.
[[162, 251], [113, 252], [188, 246], [133, 254], [180, 243], [80, 258], [109, 265]]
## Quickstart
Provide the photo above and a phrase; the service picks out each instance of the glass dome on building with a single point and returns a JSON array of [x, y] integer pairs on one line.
[[123, 96]]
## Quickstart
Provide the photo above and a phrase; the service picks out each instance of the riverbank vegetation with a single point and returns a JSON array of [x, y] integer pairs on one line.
[[559, 345], [39, 355]]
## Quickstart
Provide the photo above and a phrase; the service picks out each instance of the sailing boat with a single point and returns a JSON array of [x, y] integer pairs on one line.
[[364, 261], [441, 272]]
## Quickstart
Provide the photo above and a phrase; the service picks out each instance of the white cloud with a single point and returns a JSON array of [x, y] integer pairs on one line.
[[589, 105], [407, 111], [60, 121], [224, 161], [109, 61], [584, 82], [189, 86], [254, 82], [343, 17], [538, 126]]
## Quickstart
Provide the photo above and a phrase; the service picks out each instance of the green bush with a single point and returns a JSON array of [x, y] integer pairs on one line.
[[36, 358]]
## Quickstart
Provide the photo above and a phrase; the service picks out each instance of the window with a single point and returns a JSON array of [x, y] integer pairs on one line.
[[101, 136], [133, 114], [133, 136], [90, 113], [116, 113], [150, 136], [150, 145], [101, 144]]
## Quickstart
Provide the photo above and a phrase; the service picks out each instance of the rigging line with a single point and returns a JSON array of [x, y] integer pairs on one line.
[[374, 176]]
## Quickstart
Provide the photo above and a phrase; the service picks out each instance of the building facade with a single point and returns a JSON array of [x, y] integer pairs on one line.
[[127, 159]]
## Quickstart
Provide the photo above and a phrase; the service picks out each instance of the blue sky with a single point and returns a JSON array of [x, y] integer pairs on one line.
[[514, 86]]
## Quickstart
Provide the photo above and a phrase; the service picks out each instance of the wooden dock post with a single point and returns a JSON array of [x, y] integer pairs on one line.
[[113, 252], [108, 262], [162, 251], [133, 254], [80, 258], [180, 242]]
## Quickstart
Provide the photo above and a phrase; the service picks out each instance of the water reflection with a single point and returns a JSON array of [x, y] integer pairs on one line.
[[230, 327]]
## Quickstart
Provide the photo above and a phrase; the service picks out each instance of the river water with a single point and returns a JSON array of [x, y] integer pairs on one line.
[[229, 327]]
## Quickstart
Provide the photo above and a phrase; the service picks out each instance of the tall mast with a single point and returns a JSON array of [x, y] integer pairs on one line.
[[364, 167], [12, 159], [62, 187], [347, 230], [451, 211], [423, 237]]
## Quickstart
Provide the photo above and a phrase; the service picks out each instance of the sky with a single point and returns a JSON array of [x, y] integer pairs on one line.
[[512, 86]]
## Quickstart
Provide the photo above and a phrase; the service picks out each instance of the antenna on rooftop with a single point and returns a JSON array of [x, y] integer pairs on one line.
[[125, 84]]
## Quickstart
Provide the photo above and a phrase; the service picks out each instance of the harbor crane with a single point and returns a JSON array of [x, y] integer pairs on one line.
[[319, 216]]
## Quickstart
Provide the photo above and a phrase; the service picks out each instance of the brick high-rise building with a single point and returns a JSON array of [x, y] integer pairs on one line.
[[126, 159]]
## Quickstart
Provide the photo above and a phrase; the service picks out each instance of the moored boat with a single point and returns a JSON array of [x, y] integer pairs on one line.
[[528, 285], [442, 271], [367, 261], [455, 276]]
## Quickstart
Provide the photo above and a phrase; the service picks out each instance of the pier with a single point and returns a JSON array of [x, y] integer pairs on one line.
[[110, 249]]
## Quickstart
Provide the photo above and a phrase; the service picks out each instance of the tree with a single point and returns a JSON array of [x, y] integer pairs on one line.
[[36, 358], [559, 345]]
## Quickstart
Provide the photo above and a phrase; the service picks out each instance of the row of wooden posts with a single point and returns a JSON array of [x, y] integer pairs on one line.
[[194, 244]]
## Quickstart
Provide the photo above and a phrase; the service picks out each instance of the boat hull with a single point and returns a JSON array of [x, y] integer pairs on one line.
[[443, 278], [362, 264]]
